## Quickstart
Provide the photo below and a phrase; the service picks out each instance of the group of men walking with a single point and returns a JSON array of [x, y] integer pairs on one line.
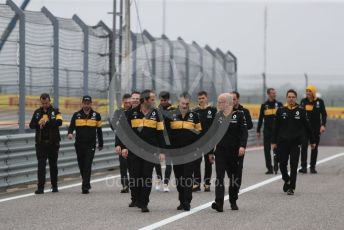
[[168, 131]]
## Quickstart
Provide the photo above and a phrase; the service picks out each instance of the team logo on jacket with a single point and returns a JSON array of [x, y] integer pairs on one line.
[[284, 115], [191, 117], [94, 116], [209, 114], [234, 119], [153, 115], [318, 104], [297, 115]]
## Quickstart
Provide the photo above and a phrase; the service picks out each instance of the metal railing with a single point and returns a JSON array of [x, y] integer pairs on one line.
[[18, 163]]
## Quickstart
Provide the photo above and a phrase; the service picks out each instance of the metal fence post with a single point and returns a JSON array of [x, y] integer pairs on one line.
[[207, 47], [22, 92], [153, 66], [306, 79], [134, 58], [235, 69], [111, 105], [171, 77], [200, 51], [55, 24], [85, 30], [264, 85], [187, 63], [221, 55]]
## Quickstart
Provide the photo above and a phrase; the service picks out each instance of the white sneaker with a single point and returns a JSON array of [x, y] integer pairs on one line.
[[166, 189], [158, 185]]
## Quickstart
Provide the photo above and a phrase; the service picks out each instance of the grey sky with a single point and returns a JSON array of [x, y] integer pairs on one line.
[[303, 36]]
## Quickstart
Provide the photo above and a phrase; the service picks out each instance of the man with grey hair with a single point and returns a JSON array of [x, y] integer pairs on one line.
[[184, 128], [227, 152]]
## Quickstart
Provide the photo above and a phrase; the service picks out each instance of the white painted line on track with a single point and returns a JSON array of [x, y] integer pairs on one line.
[[60, 188], [207, 205], [92, 182]]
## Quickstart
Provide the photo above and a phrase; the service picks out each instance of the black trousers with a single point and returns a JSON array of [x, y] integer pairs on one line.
[[130, 159], [226, 161], [314, 152], [184, 181], [267, 150], [123, 165], [85, 154], [141, 180], [46, 151], [289, 150], [168, 171], [240, 169], [158, 171], [207, 170]]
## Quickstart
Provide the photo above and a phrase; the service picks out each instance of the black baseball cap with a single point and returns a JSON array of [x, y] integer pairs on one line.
[[86, 98]]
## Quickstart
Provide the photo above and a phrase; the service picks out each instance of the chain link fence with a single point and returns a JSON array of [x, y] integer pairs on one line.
[[253, 88], [66, 58], [43, 53]]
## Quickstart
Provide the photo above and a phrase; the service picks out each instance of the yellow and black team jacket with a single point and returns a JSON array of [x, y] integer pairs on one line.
[[88, 128], [149, 128], [316, 111], [268, 113], [50, 132], [183, 131]]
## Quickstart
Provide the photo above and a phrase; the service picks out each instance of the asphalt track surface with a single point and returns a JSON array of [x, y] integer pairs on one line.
[[318, 203]]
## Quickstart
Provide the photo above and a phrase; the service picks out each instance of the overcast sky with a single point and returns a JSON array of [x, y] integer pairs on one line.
[[303, 36]]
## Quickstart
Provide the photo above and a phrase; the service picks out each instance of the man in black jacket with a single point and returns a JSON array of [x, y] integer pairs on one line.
[[118, 124], [88, 126], [164, 107], [228, 150], [268, 114], [46, 121], [288, 132], [316, 112], [249, 125], [123, 164], [206, 115]]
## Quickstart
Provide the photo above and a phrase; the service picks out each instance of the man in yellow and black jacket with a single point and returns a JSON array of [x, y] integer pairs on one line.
[[290, 125], [46, 121], [88, 126], [184, 128], [316, 112], [145, 121], [268, 114]]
